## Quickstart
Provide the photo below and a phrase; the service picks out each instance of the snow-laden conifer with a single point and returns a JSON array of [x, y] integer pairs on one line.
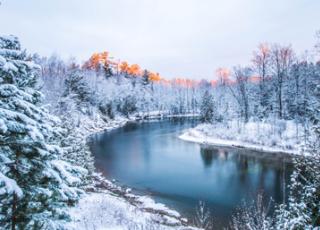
[[35, 184]]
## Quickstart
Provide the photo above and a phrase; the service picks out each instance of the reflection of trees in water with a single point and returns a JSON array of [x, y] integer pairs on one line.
[[249, 168], [262, 175], [207, 155], [278, 168], [223, 154], [281, 184], [130, 126], [243, 166], [210, 154]]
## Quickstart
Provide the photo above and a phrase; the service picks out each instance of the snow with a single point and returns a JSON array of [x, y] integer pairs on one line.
[[162, 114], [114, 207], [107, 211], [148, 203], [62, 167], [10, 186], [281, 137], [8, 66], [3, 127]]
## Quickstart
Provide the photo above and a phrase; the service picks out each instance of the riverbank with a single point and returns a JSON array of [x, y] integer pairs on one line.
[[281, 137], [98, 123], [110, 206]]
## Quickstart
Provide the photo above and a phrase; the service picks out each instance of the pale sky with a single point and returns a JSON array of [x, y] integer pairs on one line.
[[177, 38]]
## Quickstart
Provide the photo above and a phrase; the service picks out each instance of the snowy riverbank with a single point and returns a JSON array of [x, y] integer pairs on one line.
[[98, 123], [113, 207], [281, 137]]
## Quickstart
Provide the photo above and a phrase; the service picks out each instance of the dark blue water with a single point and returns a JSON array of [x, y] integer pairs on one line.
[[150, 158]]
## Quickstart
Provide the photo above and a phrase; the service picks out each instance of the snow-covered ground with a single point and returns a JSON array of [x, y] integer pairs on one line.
[[113, 207], [107, 210], [280, 137], [162, 114]]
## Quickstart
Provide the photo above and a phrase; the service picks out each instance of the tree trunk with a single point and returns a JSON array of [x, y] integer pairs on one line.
[[14, 208], [280, 97]]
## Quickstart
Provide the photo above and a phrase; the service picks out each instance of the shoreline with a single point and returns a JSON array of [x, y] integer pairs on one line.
[[197, 137], [163, 215]]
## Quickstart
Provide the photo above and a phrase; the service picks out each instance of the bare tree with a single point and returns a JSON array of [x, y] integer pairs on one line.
[[252, 216], [261, 64], [282, 58], [203, 217], [241, 92]]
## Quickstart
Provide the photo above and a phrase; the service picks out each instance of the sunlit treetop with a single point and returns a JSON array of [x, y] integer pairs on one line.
[[124, 67], [97, 60], [135, 70], [103, 60], [214, 83], [154, 77]]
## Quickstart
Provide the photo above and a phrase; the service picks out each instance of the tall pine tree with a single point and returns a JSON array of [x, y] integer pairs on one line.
[[35, 184]]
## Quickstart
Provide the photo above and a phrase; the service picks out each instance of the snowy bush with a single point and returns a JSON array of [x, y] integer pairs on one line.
[[252, 216]]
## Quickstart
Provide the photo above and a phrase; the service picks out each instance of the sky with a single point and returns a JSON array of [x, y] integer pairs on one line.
[[177, 38]]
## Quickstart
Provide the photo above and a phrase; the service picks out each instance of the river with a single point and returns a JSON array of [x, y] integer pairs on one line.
[[151, 159]]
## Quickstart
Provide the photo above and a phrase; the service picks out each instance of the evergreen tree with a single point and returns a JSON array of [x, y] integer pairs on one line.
[[303, 209], [106, 108], [108, 71], [128, 105], [207, 107], [77, 88], [145, 77], [76, 150], [35, 184]]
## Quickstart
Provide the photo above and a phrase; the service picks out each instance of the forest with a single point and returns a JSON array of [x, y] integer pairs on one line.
[[48, 105], [52, 108]]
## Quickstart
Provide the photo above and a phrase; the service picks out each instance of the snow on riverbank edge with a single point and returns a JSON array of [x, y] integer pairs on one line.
[[113, 207], [197, 136]]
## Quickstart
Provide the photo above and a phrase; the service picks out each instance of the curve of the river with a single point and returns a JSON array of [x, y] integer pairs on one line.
[[151, 159]]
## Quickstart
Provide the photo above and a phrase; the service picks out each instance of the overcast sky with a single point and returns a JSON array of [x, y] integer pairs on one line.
[[177, 38]]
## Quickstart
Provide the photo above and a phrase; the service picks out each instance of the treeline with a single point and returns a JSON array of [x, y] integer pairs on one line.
[[277, 85], [101, 91]]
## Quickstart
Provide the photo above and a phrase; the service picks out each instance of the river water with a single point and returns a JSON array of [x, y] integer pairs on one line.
[[151, 159]]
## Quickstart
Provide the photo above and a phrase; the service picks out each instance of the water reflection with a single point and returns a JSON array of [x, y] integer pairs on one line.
[[150, 158], [207, 156]]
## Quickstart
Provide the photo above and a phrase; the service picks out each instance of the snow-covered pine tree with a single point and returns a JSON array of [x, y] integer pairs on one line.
[[207, 107], [77, 88], [35, 184], [128, 105], [76, 150], [145, 78], [303, 209]]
